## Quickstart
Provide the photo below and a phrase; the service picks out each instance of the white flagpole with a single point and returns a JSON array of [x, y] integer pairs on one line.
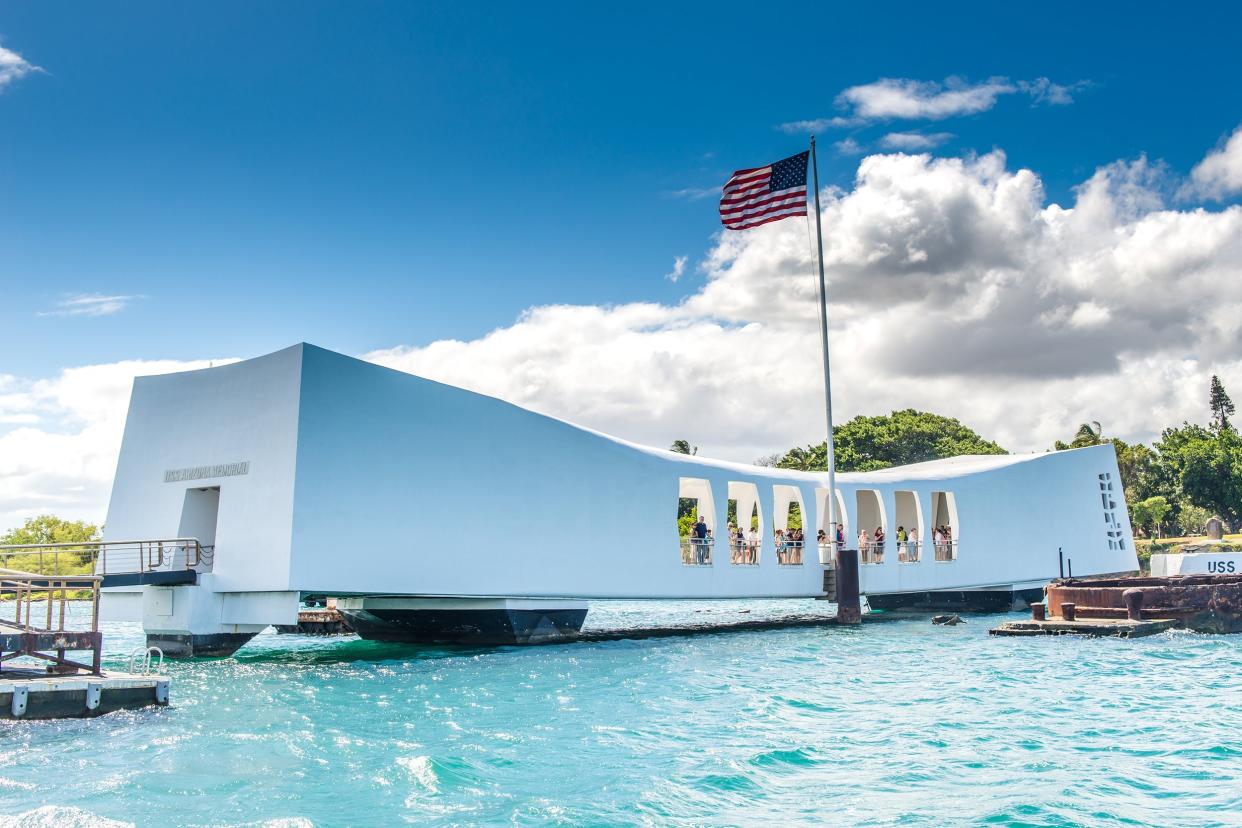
[[823, 338]]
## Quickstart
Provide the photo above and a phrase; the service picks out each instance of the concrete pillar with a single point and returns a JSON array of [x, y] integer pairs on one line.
[[849, 608], [194, 620]]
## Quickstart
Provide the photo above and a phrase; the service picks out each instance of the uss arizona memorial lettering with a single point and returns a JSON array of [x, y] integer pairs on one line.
[[200, 472]]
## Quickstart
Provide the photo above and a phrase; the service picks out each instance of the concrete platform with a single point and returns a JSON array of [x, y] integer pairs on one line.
[[1098, 627], [34, 694]]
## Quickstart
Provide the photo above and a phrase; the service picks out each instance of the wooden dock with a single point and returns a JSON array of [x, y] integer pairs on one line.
[[36, 694], [1097, 627], [38, 678]]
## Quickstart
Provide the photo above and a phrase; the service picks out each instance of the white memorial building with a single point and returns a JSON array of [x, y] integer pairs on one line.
[[438, 514]]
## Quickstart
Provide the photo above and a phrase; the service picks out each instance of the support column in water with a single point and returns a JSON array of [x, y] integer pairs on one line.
[[849, 610]]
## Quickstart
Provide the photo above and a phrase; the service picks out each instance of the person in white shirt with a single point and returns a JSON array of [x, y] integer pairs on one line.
[[752, 546]]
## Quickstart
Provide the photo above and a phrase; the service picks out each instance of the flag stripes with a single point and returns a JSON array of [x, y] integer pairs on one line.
[[762, 194]]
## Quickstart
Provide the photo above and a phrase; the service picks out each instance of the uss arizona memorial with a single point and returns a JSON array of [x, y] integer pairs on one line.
[[437, 514]]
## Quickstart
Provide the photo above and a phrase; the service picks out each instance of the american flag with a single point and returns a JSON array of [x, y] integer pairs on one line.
[[757, 196]]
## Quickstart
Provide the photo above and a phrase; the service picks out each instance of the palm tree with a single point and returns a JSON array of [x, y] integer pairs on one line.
[[683, 447], [1088, 436]]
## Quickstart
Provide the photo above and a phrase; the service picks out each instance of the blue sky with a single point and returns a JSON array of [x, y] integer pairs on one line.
[[367, 175]]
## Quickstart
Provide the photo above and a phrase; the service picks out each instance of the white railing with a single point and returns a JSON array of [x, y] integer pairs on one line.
[[788, 552], [946, 550], [697, 551], [871, 553], [744, 551], [908, 551]]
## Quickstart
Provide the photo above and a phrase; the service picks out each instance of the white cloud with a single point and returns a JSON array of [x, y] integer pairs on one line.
[[1042, 90], [1219, 174], [848, 146], [90, 304], [61, 454], [953, 287], [679, 268], [13, 67], [910, 99], [914, 140], [818, 124], [694, 193], [914, 99]]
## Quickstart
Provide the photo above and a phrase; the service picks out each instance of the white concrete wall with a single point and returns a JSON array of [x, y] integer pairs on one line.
[[369, 481], [409, 486], [1011, 521], [241, 412]]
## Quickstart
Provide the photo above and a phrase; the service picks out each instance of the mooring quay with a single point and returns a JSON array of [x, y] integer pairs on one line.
[[38, 678]]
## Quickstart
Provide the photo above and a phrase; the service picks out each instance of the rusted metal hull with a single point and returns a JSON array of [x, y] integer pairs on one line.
[[1203, 603], [318, 622]]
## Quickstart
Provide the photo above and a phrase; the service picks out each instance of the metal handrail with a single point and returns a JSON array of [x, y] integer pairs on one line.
[[25, 589], [115, 557], [946, 550], [908, 550]]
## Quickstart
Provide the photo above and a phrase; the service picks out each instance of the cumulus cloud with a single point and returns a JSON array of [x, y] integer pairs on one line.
[[914, 140], [1219, 174], [58, 452], [13, 67], [89, 304], [954, 286]]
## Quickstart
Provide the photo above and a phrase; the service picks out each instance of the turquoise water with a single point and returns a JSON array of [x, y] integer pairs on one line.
[[896, 723]]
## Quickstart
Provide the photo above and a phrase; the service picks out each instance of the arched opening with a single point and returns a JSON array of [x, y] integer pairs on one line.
[[826, 538], [696, 521], [909, 520], [872, 526], [745, 523], [789, 525], [944, 529]]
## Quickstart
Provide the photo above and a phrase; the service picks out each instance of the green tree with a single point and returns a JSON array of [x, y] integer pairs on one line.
[[1088, 434], [51, 529], [46, 529], [1205, 466], [1221, 405], [683, 447], [908, 436], [1192, 519], [1150, 512]]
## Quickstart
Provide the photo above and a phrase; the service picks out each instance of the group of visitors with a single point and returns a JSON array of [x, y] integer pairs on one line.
[[872, 545], [942, 541], [744, 545], [789, 546]]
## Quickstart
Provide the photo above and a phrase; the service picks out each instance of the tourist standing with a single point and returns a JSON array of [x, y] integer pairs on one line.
[[699, 540]]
